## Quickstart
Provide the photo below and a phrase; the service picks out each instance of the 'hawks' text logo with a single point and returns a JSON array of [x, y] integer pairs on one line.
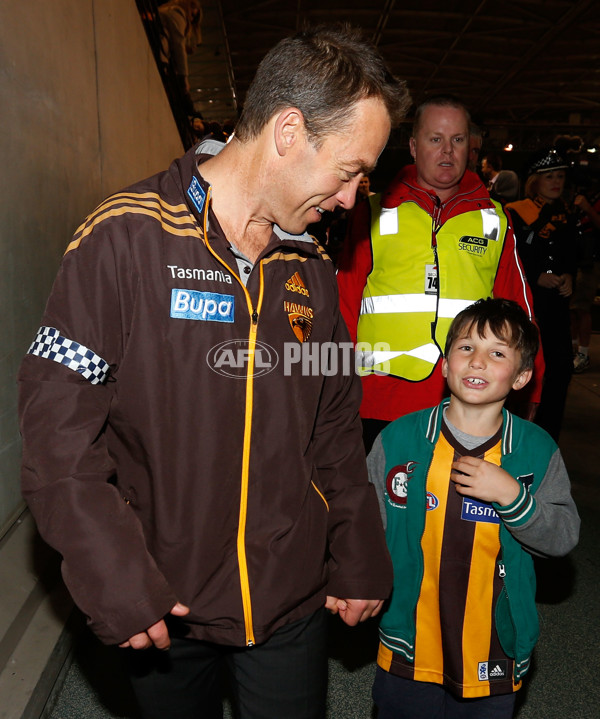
[[300, 318], [396, 482]]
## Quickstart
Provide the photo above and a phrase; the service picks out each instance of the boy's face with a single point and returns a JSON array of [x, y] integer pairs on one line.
[[482, 370]]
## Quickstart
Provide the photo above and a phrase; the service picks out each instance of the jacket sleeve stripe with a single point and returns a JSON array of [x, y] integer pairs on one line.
[[520, 510], [175, 219]]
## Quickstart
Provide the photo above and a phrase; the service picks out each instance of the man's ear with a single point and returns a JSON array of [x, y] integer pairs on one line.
[[412, 146], [288, 129], [522, 379]]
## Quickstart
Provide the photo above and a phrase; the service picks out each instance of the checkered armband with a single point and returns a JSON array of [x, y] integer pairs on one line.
[[49, 343]]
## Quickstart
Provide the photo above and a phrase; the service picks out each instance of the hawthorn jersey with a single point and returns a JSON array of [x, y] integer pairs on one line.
[[456, 641]]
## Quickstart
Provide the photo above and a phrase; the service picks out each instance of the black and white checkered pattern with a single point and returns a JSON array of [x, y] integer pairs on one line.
[[548, 162], [49, 343]]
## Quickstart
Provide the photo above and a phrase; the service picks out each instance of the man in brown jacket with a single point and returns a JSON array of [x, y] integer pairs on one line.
[[190, 420]]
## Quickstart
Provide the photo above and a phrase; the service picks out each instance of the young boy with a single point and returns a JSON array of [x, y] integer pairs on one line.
[[467, 492]]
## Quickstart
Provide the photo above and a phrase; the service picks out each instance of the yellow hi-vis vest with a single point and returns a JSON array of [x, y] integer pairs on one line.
[[415, 290]]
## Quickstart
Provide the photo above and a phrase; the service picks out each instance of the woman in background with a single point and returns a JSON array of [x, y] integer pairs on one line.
[[547, 237]]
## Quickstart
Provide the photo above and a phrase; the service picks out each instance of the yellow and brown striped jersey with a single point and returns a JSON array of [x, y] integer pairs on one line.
[[456, 641]]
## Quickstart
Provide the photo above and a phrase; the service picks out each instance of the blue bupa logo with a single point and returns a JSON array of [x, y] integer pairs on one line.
[[207, 306]]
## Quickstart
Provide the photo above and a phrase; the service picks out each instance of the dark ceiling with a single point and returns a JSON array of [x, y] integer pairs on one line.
[[527, 69]]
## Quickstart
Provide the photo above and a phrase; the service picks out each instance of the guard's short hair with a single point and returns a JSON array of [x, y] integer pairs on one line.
[[324, 72], [506, 319], [439, 101]]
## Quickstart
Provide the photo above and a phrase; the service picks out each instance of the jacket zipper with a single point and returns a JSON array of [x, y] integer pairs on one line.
[[253, 312], [435, 227]]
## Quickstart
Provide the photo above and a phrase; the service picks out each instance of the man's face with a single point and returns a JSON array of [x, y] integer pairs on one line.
[[364, 187], [487, 170], [315, 180], [440, 149], [474, 150]]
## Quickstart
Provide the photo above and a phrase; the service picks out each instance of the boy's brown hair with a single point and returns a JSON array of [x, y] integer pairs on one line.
[[506, 319]]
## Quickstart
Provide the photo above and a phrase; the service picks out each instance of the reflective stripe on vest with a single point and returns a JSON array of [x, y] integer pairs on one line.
[[404, 318]]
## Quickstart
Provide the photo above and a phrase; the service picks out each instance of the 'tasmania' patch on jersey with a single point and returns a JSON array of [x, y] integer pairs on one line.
[[475, 511], [207, 306]]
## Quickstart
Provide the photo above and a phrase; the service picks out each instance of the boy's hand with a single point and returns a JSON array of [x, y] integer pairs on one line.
[[353, 611], [483, 480]]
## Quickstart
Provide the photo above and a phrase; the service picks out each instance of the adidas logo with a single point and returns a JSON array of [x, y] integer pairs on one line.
[[497, 671], [295, 284]]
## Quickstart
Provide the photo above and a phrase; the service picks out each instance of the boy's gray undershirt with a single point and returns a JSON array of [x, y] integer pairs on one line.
[[468, 441]]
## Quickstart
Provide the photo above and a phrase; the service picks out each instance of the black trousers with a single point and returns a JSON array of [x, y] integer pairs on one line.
[[284, 678], [399, 698], [554, 321]]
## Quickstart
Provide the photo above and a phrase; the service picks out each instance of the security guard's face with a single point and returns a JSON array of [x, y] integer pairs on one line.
[[440, 149]]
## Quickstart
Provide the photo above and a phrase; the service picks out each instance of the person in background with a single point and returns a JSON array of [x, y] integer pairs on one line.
[[181, 22], [198, 127], [547, 238], [364, 188], [506, 187], [332, 229], [205, 497], [457, 635], [432, 243], [214, 131], [587, 281], [491, 164], [475, 143]]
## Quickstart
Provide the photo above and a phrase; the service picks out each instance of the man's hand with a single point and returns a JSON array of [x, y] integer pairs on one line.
[[157, 635], [353, 611], [485, 481], [565, 289], [581, 201], [549, 280]]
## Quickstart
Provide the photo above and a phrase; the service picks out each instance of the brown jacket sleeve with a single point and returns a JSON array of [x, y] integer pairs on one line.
[[360, 565], [67, 472]]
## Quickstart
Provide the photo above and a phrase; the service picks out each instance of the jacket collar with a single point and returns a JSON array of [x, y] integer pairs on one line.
[[196, 191], [404, 187], [434, 423]]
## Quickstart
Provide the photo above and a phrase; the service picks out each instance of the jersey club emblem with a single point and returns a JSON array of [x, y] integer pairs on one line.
[[396, 482]]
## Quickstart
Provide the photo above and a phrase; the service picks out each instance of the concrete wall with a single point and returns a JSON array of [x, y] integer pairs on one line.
[[82, 113]]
